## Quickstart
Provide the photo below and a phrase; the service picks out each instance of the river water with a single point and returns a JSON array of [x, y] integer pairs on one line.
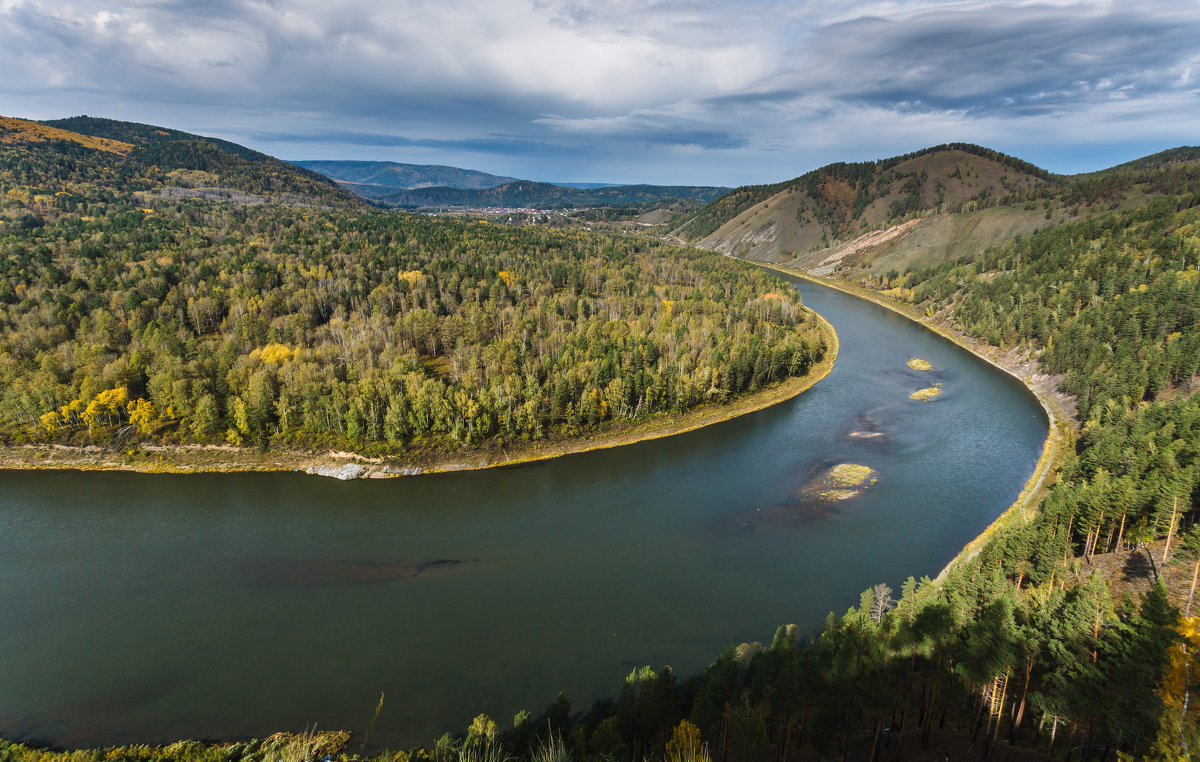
[[153, 608]]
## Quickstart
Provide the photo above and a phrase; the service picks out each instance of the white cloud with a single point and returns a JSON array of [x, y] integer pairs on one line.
[[592, 58]]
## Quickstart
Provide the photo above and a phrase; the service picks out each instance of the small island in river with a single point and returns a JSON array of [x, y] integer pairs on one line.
[[841, 482], [926, 394], [916, 363]]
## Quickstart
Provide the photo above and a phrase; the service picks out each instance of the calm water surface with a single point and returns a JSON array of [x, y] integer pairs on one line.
[[153, 608]]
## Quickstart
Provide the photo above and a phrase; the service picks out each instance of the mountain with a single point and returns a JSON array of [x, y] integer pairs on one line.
[[586, 186], [433, 186], [527, 194], [380, 175], [147, 135], [841, 201], [179, 164], [915, 210]]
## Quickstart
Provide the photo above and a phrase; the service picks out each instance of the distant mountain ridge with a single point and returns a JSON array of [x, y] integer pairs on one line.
[[435, 186], [394, 175], [528, 194]]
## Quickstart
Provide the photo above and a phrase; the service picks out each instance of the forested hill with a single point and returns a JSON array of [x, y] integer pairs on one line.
[[178, 163], [919, 209], [176, 291], [842, 199]]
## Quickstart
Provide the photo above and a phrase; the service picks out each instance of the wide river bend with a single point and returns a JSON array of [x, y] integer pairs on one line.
[[149, 608]]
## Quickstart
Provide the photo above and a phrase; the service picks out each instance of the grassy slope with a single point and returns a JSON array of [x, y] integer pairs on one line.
[[961, 201], [18, 131], [830, 206]]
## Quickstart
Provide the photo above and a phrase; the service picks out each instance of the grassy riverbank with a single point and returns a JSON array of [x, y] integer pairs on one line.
[[151, 457]]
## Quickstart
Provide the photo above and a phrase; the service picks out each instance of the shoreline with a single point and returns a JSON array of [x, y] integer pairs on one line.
[[1061, 423], [200, 459]]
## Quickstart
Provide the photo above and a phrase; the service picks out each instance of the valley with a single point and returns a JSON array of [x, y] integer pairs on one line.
[[175, 303]]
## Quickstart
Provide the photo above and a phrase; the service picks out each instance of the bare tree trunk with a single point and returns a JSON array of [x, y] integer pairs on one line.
[[998, 711], [982, 704], [1020, 713], [1090, 547], [787, 739], [846, 721], [803, 725], [904, 706], [878, 733], [1188, 611], [1170, 531], [724, 734], [1070, 524], [783, 721], [927, 726]]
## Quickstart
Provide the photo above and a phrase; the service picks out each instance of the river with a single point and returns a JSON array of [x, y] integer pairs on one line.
[[149, 608]]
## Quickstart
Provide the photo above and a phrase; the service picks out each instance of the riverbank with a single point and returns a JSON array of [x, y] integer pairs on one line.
[[1059, 408], [199, 458]]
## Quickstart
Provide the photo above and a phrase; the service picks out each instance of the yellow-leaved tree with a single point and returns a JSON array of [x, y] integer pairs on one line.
[[50, 421], [483, 730], [71, 412], [1179, 728], [276, 353], [143, 415], [686, 745], [105, 408]]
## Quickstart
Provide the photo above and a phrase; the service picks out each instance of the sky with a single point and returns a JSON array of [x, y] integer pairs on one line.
[[704, 92]]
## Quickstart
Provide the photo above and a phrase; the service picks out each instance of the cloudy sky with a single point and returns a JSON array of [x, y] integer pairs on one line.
[[721, 92]]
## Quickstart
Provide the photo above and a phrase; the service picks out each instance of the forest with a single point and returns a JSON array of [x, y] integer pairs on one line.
[[137, 304]]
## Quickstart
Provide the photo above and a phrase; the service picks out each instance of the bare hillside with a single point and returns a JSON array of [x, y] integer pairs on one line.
[[841, 202]]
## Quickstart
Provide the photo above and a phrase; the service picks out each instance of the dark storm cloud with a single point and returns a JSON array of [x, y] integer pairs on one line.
[[503, 145], [1001, 60], [663, 90]]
